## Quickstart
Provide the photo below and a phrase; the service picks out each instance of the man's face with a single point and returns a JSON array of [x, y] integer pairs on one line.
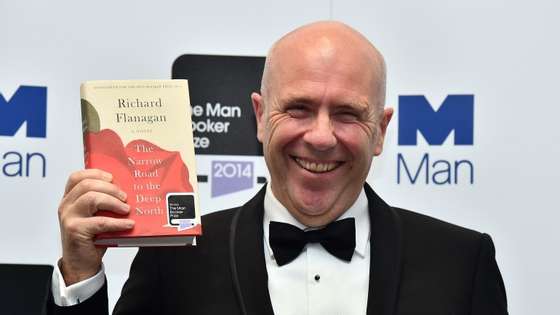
[[320, 129]]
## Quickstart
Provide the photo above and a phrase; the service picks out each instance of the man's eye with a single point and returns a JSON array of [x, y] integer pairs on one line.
[[298, 112], [347, 116]]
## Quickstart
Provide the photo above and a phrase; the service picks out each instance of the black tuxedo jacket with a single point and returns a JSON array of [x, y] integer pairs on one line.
[[420, 265]]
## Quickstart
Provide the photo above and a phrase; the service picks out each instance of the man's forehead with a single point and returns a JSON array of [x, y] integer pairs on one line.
[[323, 39], [321, 58], [325, 51], [307, 74]]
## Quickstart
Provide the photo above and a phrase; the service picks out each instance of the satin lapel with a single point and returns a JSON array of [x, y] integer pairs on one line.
[[249, 257], [385, 252]]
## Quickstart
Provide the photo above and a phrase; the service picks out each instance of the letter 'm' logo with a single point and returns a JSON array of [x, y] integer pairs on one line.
[[456, 113], [27, 105]]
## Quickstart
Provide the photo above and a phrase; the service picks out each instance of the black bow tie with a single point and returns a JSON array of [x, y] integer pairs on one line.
[[287, 241]]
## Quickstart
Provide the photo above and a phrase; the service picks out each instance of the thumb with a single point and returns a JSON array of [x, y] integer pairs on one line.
[[102, 224]]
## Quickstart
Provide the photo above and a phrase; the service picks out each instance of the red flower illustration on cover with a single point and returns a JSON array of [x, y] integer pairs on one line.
[[147, 173]]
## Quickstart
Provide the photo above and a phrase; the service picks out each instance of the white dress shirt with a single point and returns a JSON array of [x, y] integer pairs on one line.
[[315, 283]]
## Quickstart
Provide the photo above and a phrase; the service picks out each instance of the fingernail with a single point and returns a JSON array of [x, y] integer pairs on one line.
[[123, 195], [126, 207], [129, 224], [108, 176]]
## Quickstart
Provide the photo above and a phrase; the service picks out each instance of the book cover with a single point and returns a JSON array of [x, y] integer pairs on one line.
[[141, 132]]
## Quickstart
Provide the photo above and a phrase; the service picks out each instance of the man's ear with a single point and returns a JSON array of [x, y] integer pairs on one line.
[[258, 108], [387, 114]]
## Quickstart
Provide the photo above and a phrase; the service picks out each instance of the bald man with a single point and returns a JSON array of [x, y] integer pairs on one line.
[[316, 239]]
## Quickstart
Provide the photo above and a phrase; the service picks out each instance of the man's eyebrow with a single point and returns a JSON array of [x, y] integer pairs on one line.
[[297, 99], [359, 106]]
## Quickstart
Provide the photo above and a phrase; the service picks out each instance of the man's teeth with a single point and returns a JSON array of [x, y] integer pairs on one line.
[[316, 167]]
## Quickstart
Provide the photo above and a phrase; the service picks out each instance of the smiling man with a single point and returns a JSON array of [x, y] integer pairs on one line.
[[317, 239], [321, 119]]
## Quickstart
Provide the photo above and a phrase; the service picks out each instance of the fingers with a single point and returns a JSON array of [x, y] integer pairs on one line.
[[90, 190], [92, 201], [88, 185], [78, 176], [77, 218]]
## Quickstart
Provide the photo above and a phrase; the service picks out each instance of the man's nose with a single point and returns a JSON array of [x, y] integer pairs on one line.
[[321, 134]]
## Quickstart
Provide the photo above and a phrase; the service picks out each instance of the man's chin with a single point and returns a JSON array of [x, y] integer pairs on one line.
[[315, 219], [315, 211]]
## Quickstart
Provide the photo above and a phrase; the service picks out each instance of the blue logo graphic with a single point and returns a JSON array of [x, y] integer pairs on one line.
[[231, 176], [27, 105], [455, 113]]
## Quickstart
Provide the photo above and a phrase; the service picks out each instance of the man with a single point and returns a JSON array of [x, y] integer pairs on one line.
[[321, 120]]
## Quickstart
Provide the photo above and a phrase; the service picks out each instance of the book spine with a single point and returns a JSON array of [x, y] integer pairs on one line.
[[87, 160], [87, 112]]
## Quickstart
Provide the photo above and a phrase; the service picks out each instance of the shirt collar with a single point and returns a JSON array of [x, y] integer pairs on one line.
[[275, 211]]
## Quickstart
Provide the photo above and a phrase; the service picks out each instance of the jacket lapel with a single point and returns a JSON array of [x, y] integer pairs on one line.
[[385, 252], [249, 257]]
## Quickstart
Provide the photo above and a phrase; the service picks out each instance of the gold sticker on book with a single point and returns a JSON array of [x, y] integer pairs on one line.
[[90, 118]]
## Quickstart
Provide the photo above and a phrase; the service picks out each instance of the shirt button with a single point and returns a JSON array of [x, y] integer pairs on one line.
[[317, 278]]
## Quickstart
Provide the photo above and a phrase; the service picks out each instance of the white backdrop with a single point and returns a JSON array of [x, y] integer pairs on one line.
[[505, 53]]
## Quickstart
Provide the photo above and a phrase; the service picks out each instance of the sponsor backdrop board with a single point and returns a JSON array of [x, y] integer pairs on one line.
[[473, 85]]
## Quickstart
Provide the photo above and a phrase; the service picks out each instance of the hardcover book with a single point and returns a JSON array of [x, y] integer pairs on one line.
[[141, 132]]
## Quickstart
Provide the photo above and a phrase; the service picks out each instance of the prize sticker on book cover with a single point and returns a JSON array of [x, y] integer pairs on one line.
[[180, 210]]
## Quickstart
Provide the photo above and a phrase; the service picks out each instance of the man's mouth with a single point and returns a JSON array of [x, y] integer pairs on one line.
[[317, 167]]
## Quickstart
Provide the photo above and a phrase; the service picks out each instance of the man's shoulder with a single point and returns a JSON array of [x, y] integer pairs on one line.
[[219, 218], [219, 223], [423, 234], [422, 223], [415, 226], [216, 225]]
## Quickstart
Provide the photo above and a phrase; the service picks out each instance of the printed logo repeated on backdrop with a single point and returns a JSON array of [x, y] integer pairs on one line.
[[222, 115], [418, 116], [28, 106]]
